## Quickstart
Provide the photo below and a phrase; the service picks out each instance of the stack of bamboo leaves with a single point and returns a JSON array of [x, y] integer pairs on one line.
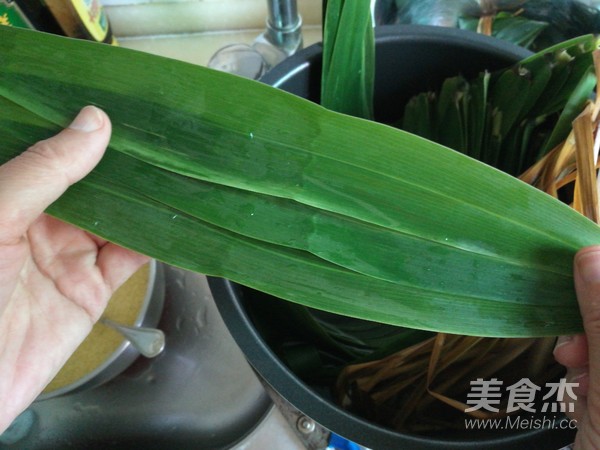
[[512, 118]]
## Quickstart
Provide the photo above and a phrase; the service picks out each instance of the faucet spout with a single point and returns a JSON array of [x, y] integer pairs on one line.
[[283, 15], [284, 26]]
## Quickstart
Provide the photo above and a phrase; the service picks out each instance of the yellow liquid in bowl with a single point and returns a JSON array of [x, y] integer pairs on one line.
[[124, 307]]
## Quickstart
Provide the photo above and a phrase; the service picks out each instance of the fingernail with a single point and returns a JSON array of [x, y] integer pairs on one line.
[[89, 119], [562, 340], [588, 264]]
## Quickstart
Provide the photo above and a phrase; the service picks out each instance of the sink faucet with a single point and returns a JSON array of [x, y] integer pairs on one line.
[[284, 25], [282, 38]]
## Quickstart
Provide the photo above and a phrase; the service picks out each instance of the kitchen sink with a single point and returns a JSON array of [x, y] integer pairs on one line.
[[199, 393]]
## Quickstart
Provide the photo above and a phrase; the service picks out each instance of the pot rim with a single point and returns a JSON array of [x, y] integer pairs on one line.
[[387, 33]]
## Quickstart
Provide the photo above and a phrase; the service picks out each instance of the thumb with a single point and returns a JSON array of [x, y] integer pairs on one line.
[[587, 285], [33, 180]]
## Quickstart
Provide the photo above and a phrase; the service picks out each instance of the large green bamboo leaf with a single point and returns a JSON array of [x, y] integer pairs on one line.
[[387, 222], [383, 253], [348, 58], [528, 108]]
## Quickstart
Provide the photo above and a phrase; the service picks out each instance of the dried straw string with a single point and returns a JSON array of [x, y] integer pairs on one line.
[[575, 161], [405, 390]]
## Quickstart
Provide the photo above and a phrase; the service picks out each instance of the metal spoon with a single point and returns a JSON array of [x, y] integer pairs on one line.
[[150, 342]]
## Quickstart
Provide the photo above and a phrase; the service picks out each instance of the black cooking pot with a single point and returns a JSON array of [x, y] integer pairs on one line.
[[409, 60]]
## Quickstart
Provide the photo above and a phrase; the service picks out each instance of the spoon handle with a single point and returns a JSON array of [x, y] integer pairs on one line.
[[150, 342]]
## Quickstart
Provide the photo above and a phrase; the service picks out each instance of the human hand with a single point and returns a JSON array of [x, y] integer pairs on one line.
[[55, 279], [581, 353]]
